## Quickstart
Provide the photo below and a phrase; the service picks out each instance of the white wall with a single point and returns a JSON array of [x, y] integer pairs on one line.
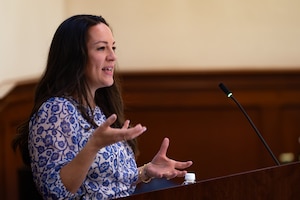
[[201, 34], [26, 28], [159, 34]]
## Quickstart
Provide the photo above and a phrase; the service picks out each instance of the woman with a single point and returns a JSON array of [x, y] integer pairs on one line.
[[80, 146]]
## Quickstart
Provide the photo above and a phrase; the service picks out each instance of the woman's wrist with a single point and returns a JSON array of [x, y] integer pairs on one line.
[[144, 177]]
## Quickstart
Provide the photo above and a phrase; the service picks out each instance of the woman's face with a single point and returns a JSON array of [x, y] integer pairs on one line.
[[101, 57]]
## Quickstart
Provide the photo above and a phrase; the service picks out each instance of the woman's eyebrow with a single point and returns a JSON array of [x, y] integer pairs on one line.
[[101, 41]]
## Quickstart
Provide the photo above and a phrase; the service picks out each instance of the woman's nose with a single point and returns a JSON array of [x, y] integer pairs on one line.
[[112, 55]]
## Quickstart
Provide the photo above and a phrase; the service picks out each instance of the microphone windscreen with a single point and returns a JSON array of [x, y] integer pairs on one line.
[[225, 90]]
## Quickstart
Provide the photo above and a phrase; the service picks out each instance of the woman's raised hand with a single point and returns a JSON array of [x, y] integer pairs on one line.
[[163, 167], [105, 135]]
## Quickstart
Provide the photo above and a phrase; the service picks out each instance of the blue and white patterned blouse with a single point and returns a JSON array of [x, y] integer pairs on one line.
[[57, 133]]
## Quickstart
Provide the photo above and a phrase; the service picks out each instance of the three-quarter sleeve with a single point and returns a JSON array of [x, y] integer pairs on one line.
[[53, 142], [57, 133]]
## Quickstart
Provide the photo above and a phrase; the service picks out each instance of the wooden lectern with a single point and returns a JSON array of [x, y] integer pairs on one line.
[[278, 182]]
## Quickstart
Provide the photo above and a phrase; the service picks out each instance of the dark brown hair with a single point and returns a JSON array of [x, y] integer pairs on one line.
[[64, 76]]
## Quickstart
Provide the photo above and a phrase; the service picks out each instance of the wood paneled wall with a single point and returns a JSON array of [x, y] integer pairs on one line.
[[14, 108], [189, 108], [207, 127]]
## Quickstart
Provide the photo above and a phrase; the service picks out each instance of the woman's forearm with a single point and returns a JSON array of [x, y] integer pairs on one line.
[[74, 173]]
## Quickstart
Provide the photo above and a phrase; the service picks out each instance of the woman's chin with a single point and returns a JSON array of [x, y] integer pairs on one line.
[[109, 83]]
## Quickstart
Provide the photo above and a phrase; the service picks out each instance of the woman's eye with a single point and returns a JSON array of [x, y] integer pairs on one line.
[[100, 48], [114, 48]]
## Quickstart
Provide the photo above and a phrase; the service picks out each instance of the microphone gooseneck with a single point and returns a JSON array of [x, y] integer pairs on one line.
[[230, 95]]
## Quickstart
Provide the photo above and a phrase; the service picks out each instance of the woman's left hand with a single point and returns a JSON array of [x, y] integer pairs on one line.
[[163, 167]]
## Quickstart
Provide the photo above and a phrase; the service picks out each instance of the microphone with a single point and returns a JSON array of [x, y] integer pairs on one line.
[[230, 95]]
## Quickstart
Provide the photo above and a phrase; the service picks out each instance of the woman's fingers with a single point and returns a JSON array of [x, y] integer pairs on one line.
[[133, 132], [109, 121], [126, 124], [164, 147], [112, 135], [162, 166], [183, 165]]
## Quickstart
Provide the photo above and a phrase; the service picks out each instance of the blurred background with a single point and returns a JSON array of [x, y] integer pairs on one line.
[[172, 54], [159, 35]]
